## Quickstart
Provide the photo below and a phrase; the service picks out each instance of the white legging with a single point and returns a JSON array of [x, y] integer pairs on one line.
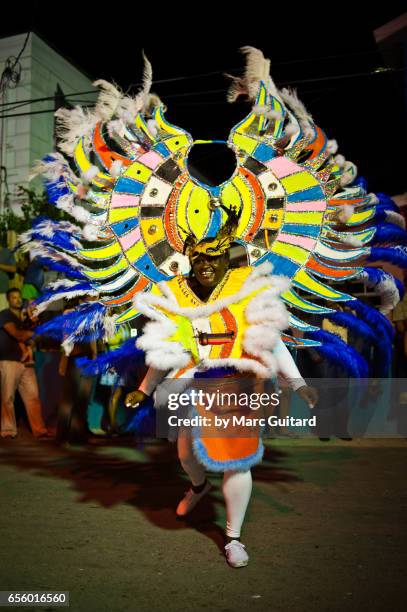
[[236, 486]]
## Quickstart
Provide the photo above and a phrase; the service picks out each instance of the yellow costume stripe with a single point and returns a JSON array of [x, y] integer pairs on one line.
[[230, 194], [139, 172], [308, 218], [120, 214], [294, 300], [101, 253], [182, 205], [318, 288], [261, 101], [177, 142], [278, 122], [198, 201], [163, 123], [141, 124], [246, 198], [129, 314], [245, 143], [151, 237], [295, 253], [105, 273], [84, 165], [360, 217], [185, 334], [298, 182], [136, 251]]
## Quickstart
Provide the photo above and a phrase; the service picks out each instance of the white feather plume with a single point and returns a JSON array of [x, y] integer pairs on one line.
[[293, 102]]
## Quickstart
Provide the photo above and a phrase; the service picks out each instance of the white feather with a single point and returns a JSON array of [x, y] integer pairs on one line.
[[303, 117], [116, 168], [332, 147], [345, 212], [339, 160]]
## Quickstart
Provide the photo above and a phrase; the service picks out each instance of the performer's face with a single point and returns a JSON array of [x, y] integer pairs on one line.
[[208, 270]]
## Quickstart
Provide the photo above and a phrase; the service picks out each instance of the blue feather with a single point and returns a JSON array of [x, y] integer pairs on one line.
[[389, 232], [400, 287], [62, 236], [336, 351], [55, 190], [46, 295], [386, 202], [360, 181], [83, 324], [377, 275], [372, 317], [120, 359], [62, 267], [362, 329], [396, 255], [142, 423]]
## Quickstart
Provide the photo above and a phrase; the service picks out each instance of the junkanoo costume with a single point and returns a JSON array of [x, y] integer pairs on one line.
[[304, 216]]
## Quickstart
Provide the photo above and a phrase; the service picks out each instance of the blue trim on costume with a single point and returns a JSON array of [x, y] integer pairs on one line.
[[238, 465], [148, 268], [281, 265], [123, 227], [128, 185], [162, 149], [313, 193], [215, 223], [301, 230], [264, 153]]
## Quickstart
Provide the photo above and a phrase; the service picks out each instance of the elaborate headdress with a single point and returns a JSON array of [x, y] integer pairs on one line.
[[301, 205], [219, 244]]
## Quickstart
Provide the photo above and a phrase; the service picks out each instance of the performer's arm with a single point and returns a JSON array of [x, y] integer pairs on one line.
[[152, 378], [287, 368]]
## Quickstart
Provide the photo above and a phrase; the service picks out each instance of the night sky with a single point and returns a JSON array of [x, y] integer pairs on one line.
[[365, 113]]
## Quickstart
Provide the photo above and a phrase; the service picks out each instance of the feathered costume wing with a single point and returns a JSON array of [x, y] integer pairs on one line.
[[127, 185]]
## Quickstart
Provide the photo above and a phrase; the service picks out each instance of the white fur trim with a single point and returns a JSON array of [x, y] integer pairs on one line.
[[265, 313], [339, 160], [332, 147]]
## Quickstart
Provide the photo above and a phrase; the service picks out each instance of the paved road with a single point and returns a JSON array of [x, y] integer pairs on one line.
[[326, 528]]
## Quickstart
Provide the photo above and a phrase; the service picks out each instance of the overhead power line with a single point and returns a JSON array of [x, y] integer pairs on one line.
[[223, 90]]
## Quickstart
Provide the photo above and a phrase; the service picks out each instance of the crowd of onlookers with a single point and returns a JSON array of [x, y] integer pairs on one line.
[[57, 397]]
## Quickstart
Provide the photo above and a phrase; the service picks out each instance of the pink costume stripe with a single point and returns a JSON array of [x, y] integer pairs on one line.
[[123, 200], [302, 241], [306, 206], [128, 240], [282, 166], [150, 159]]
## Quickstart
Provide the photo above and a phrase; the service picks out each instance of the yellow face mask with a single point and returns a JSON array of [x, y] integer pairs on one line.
[[214, 247]]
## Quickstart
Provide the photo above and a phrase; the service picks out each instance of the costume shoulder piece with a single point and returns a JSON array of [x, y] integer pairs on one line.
[[124, 180], [237, 327]]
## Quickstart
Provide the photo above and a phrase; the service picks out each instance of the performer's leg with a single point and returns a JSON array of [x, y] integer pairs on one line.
[[237, 489], [189, 462], [195, 471]]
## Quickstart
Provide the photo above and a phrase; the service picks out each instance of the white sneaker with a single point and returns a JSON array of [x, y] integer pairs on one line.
[[190, 500], [236, 555]]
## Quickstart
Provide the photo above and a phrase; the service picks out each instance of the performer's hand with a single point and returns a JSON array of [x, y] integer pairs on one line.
[[309, 395], [134, 398]]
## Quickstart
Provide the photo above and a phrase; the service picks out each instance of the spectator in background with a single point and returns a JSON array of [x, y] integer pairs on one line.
[[72, 421], [7, 271], [15, 375], [33, 280]]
